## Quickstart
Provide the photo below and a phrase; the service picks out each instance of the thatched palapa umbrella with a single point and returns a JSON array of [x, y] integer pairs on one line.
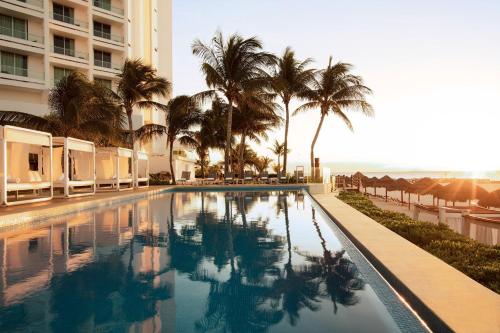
[[491, 200], [386, 182], [463, 190], [427, 185], [402, 185]]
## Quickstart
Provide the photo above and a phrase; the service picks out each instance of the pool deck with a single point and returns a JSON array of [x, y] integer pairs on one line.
[[433, 288], [445, 298]]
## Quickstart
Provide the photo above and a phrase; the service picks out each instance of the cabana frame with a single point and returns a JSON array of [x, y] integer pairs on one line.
[[70, 185], [116, 182], [141, 182], [12, 134]]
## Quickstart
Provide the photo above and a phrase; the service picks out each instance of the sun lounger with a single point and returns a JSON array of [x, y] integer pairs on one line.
[[211, 179], [282, 178], [248, 177], [229, 179], [264, 177], [185, 177]]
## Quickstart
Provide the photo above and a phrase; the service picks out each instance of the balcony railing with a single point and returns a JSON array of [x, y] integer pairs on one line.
[[21, 34], [69, 19], [105, 35], [70, 52], [107, 64], [21, 71], [106, 6], [36, 3]]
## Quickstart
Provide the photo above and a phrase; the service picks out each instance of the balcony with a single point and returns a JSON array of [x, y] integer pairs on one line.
[[34, 3], [108, 64], [69, 20], [20, 73], [70, 52], [108, 7], [105, 35], [21, 34]]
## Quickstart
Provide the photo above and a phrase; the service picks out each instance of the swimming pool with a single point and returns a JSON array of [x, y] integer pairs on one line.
[[195, 262]]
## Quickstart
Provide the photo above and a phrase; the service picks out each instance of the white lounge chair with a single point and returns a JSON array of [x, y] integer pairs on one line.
[[248, 177], [264, 177], [185, 177]]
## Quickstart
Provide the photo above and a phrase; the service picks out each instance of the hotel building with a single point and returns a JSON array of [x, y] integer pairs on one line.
[[43, 40]]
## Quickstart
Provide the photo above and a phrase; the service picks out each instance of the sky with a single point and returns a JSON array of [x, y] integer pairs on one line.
[[433, 66]]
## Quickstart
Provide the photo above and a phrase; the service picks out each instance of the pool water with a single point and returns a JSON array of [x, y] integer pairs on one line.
[[194, 262]]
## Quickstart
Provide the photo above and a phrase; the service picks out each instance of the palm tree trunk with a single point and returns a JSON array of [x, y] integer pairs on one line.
[[132, 142], [241, 154], [287, 122], [171, 155], [227, 152], [314, 143]]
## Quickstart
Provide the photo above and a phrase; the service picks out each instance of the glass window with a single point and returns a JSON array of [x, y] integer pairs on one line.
[[13, 26], [104, 82], [14, 64], [33, 161], [60, 72], [64, 46], [102, 30], [63, 13], [104, 4], [102, 59]]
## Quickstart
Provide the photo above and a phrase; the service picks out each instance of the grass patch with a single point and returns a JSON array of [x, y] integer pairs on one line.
[[478, 261]]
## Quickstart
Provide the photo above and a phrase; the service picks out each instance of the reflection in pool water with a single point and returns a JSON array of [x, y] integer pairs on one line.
[[201, 262]]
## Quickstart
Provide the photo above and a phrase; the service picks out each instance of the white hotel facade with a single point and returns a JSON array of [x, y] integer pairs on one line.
[[43, 40]]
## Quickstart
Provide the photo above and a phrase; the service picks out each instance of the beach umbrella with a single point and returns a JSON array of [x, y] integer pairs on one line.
[[386, 182], [427, 185], [491, 199], [463, 190], [402, 185]]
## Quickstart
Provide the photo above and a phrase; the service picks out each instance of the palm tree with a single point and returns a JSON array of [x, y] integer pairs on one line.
[[229, 67], [334, 91], [181, 115], [290, 79], [278, 149], [263, 163], [210, 135], [78, 108], [253, 117]]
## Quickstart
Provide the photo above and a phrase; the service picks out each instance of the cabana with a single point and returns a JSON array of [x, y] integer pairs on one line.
[[114, 169], [26, 165], [142, 167], [73, 167]]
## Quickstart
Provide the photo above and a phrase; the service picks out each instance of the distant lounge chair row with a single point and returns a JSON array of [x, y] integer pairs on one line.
[[34, 167], [248, 178]]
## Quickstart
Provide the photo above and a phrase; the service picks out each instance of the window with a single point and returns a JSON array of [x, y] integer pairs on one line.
[[102, 30], [33, 161], [103, 82], [13, 27], [64, 14], [102, 59], [104, 4], [60, 73], [63, 45], [14, 64]]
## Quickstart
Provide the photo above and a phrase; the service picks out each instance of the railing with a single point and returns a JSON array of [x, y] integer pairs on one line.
[[107, 64], [109, 36], [70, 52], [36, 3], [69, 19], [21, 71], [21, 34], [106, 6]]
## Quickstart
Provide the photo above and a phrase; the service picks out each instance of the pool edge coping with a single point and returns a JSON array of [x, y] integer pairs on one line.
[[371, 238]]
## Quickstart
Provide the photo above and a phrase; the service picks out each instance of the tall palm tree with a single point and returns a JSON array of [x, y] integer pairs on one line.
[[290, 79], [263, 163], [229, 67], [78, 108], [278, 149], [181, 115], [334, 90], [253, 117]]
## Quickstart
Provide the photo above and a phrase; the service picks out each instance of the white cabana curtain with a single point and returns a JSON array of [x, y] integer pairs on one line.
[[106, 165], [18, 166]]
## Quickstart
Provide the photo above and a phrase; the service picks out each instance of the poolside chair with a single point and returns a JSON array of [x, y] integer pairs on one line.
[[229, 178], [248, 176], [211, 179], [264, 177], [282, 177], [299, 176], [185, 177]]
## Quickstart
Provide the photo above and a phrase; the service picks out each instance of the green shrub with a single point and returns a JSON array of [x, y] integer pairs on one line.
[[478, 261]]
